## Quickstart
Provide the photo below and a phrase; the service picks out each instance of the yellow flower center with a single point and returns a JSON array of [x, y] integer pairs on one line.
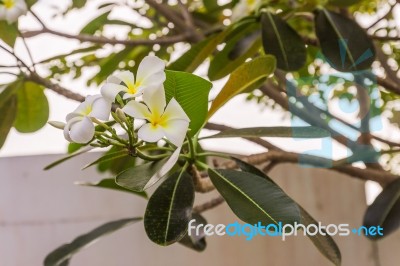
[[87, 110], [133, 88], [157, 120], [9, 3], [251, 2]]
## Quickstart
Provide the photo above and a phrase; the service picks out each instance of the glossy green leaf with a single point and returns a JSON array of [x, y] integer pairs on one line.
[[242, 78], [344, 43], [137, 177], [8, 113], [324, 243], [196, 55], [277, 132], [241, 45], [191, 92], [33, 108], [96, 24], [8, 32], [254, 199], [108, 157], [282, 41], [196, 241], [66, 251], [66, 158], [170, 209], [385, 211], [109, 183]]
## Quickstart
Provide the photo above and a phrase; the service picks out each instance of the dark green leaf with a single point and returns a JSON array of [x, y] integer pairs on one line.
[[170, 209], [277, 132], [8, 32], [8, 91], [65, 252], [72, 155], [191, 92], [254, 199], [242, 78], [195, 241], [33, 108], [385, 211], [344, 43], [137, 177], [8, 113], [282, 41], [109, 183], [96, 24], [343, 3]]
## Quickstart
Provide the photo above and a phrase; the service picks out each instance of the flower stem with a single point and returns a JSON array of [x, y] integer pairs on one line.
[[147, 157]]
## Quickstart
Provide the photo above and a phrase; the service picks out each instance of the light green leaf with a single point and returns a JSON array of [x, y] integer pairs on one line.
[[170, 209], [8, 113], [254, 199], [72, 155], [33, 108], [242, 78], [62, 254], [8, 32], [109, 183], [277, 132], [96, 24], [191, 92]]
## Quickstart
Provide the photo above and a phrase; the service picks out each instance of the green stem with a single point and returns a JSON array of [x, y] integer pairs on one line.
[[216, 154], [147, 157], [191, 148]]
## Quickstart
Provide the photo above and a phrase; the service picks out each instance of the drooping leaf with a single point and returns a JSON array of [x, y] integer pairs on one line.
[[137, 177], [66, 251], [278, 132], [196, 55], [8, 113], [108, 157], [8, 91], [170, 209], [96, 24], [191, 92], [242, 78], [8, 32], [33, 108], [385, 211], [282, 41], [109, 183], [344, 43], [254, 199], [324, 243], [241, 44], [195, 241], [70, 156]]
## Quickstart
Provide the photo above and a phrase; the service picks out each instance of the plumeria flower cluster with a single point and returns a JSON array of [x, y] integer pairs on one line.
[[142, 98], [11, 10]]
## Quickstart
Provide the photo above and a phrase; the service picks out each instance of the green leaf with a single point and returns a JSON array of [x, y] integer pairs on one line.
[[8, 32], [8, 113], [137, 177], [242, 44], [196, 55], [191, 92], [344, 43], [196, 241], [118, 164], [282, 41], [254, 199], [277, 132], [72, 155], [109, 183], [170, 209], [343, 3], [242, 78], [324, 243], [66, 251], [385, 210], [108, 157], [96, 24], [33, 108], [8, 91], [78, 3]]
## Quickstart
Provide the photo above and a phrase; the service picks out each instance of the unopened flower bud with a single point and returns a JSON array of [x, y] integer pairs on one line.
[[57, 124]]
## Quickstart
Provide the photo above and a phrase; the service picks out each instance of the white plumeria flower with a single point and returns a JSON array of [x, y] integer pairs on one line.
[[11, 10], [150, 73], [79, 127], [171, 121], [244, 8]]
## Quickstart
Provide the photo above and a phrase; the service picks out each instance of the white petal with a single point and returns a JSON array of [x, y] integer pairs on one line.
[[126, 77], [110, 91], [150, 65], [101, 109], [82, 131], [136, 110], [2, 13], [164, 169], [22, 6], [154, 98], [150, 133], [13, 14], [113, 79], [68, 126], [154, 80], [128, 95], [176, 130], [175, 111]]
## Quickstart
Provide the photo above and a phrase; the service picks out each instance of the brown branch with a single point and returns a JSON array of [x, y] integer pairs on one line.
[[388, 84], [383, 17]]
